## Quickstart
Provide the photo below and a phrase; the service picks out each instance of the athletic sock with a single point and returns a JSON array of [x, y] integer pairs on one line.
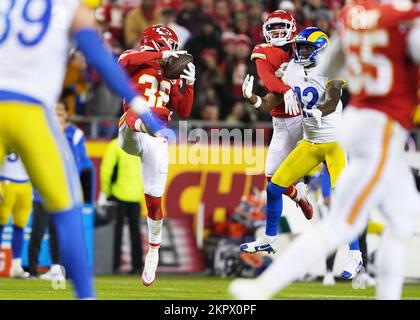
[[390, 264], [154, 228], [73, 251], [1, 233], [274, 208], [355, 245], [292, 193], [17, 242]]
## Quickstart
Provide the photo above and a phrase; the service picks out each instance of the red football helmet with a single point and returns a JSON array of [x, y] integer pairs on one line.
[[159, 38], [279, 28]]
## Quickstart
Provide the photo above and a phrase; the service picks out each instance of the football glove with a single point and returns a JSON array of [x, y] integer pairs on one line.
[[291, 104], [247, 86], [189, 74]]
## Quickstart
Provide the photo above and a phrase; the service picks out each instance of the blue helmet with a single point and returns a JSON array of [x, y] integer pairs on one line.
[[309, 43]]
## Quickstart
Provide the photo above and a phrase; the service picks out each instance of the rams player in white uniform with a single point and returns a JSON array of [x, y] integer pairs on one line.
[[34, 40], [15, 199], [320, 101]]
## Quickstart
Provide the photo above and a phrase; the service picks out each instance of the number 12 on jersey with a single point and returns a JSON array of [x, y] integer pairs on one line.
[[306, 92]]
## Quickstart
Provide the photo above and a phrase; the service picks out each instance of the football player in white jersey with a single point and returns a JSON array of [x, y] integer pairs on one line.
[[15, 199], [34, 42], [320, 101]]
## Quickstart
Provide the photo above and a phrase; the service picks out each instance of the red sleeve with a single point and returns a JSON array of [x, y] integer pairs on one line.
[[271, 82], [182, 103], [136, 58]]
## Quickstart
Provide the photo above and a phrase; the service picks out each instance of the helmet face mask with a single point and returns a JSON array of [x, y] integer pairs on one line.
[[309, 43], [305, 53], [278, 28]]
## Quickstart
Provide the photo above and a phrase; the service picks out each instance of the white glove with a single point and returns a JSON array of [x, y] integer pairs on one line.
[[316, 113], [280, 71], [189, 74], [167, 54], [247, 86], [291, 103]]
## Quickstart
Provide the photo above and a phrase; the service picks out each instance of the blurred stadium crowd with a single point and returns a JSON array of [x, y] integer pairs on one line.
[[220, 34]]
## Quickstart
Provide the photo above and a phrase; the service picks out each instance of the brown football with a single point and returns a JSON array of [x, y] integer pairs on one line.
[[174, 66]]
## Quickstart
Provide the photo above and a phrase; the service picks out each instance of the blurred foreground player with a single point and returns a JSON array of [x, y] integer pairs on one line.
[[144, 64], [34, 43], [379, 45]]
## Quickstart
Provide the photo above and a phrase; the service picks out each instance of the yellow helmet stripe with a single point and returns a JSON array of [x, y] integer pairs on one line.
[[316, 34]]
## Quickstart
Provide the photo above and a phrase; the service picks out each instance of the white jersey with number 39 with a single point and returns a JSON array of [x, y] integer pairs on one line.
[[35, 35], [309, 87]]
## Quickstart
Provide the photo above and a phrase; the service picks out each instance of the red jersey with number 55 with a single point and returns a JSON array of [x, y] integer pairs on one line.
[[380, 75], [268, 59], [147, 77]]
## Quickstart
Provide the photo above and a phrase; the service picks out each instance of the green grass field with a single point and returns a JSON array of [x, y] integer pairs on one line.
[[187, 287]]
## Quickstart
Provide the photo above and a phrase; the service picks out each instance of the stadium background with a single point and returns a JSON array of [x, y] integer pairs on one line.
[[220, 34]]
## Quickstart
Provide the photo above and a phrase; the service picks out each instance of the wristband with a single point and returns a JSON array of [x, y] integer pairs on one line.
[[258, 103]]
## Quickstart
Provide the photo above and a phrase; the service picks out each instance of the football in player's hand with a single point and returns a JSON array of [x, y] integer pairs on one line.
[[174, 66]]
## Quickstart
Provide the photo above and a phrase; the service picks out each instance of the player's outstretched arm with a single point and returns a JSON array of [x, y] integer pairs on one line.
[[333, 59], [265, 104], [89, 42]]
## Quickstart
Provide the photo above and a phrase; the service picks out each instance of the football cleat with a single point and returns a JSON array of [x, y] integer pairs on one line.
[[55, 273], [150, 266], [303, 203], [329, 279], [366, 280], [261, 244], [354, 265], [245, 289], [18, 273]]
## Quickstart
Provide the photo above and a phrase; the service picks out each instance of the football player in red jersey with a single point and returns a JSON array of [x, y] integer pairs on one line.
[[144, 65], [271, 59], [378, 44]]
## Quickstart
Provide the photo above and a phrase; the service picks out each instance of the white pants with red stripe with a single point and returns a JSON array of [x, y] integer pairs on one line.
[[377, 176], [286, 134], [154, 158]]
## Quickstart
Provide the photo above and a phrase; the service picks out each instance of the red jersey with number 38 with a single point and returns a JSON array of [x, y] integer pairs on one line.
[[147, 77], [380, 75]]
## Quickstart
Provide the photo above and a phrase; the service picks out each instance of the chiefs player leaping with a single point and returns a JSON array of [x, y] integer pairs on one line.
[[271, 59], [144, 66]]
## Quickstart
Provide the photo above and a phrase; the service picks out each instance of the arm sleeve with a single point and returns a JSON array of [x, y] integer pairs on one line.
[[90, 44], [136, 58], [109, 161], [182, 103], [271, 82]]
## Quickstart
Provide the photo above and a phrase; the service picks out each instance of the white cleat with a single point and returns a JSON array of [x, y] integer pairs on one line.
[[244, 289], [264, 243], [329, 279], [150, 266], [354, 265], [366, 280], [17, 272], [55, 273]]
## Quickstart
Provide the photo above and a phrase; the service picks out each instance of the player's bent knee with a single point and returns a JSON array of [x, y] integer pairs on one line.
[[128, 142]]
